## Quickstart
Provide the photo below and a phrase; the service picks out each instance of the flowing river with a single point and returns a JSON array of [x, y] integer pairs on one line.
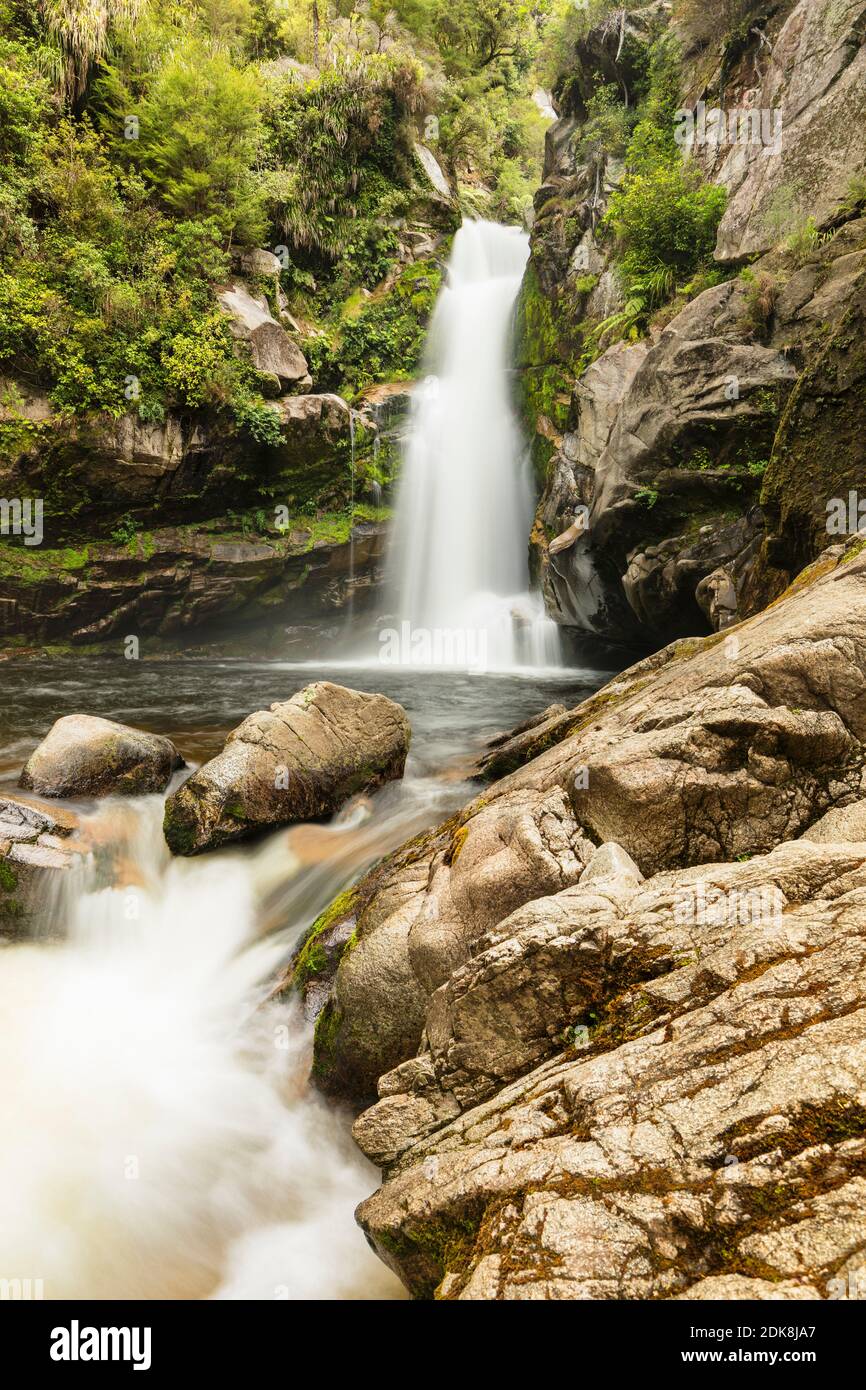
[[162, 1139]]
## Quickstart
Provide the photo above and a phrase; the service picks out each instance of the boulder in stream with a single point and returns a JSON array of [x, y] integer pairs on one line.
[[297, 761], [84, 755]]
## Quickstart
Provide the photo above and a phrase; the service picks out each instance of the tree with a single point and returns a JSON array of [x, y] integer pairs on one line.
[[199, 138], [477, 33]]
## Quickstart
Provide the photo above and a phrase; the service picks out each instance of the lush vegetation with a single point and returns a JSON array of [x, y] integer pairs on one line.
[[145, 143], [661, 220]]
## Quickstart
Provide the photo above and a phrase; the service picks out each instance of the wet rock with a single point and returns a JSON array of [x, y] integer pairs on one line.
[[84, 756], [299, 760], [37, 843]]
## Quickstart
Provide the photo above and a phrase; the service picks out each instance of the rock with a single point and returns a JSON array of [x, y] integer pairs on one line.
[[299, 760], [37, 842], [706, 752], [25, 821], [558, 156], [272, 351], [842, 824], [664, 583], [429, 163], [656, 1059], [130, 470], [178, 581], [261, 262], [820, 450], [708, 1138], [665, 437], [815, 77], [313, 424], [417, 920], [84, 756], [739, 1287]]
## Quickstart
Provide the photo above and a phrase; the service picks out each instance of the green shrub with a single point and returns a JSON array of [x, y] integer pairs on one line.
[[339, 146], [667, 217], [200, 133], [196, 364], [386, 340]]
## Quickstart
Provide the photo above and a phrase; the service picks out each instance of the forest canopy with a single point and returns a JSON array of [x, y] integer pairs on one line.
[[145, 142]]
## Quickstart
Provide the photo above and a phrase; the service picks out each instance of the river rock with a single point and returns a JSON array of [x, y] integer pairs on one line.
[[37, 843], [83, 755], [299, 760]]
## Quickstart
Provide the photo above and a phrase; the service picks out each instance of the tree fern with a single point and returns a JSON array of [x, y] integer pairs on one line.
[[79, 30]]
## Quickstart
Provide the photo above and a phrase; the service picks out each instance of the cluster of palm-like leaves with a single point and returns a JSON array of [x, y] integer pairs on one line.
[[78, 33], [340, 118]]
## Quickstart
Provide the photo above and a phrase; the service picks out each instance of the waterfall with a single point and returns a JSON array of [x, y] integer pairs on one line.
[[458, 571]]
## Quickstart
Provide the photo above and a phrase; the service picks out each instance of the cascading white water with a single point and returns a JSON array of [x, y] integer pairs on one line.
[[161, 1139], [459, 571]]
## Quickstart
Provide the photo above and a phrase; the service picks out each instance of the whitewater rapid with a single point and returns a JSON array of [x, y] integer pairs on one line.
[[161, 1137]]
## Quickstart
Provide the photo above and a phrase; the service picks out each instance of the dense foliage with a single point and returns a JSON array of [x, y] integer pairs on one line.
[[662, 218], [145, 143]]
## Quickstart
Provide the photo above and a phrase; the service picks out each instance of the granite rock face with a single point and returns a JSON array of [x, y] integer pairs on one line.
[[610, 1020], [711, 1129]]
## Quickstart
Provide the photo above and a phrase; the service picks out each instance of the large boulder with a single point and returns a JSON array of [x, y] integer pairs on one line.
[[297, 761], [83, 755], [272, 351]]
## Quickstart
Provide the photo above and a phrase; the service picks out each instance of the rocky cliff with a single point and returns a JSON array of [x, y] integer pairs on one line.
[[704, 414], [185, 526], [615, 1011]]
